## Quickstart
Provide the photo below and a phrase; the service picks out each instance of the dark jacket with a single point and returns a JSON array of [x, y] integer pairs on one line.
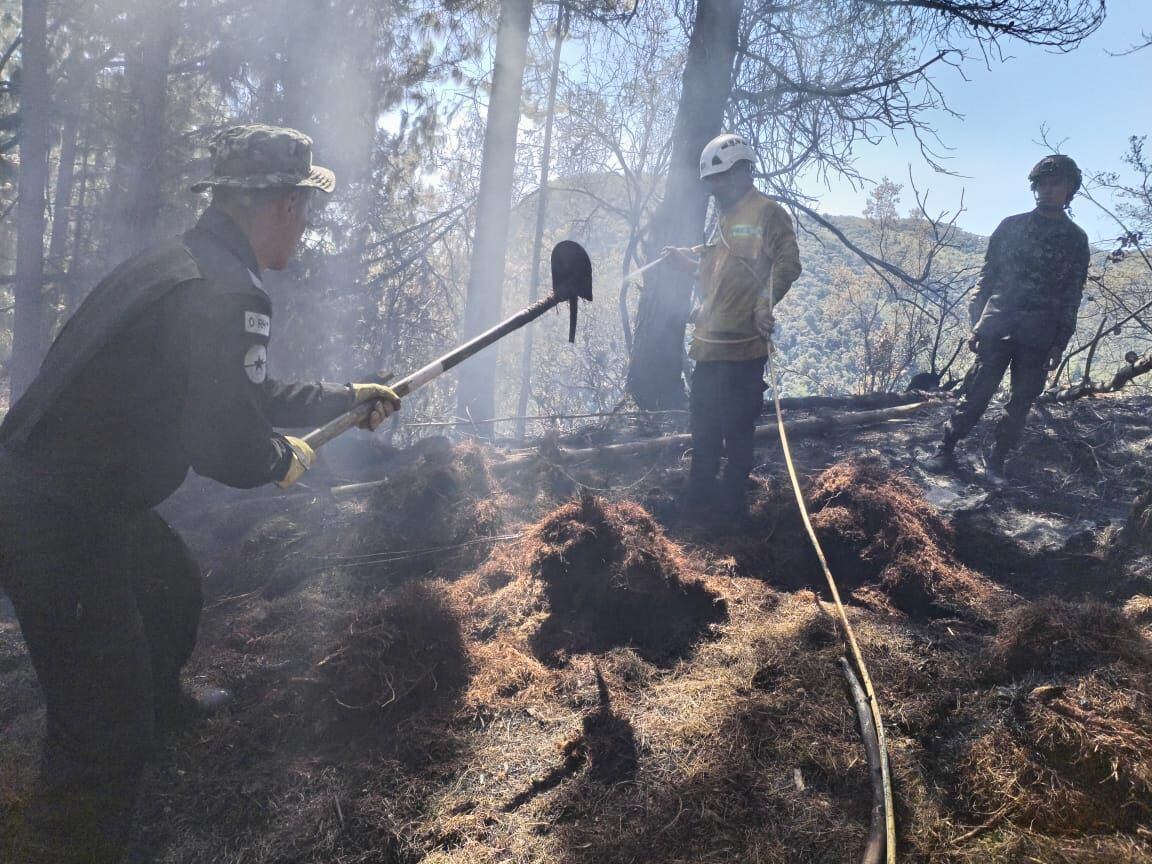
[[164, 367], [1032, 282]]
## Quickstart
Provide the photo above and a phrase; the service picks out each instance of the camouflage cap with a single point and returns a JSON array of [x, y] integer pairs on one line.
[[262, 157]]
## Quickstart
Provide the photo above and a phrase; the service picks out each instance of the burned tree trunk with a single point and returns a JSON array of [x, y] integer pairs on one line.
[[476, 396], [655, 377], [28, 327], [541, 216]]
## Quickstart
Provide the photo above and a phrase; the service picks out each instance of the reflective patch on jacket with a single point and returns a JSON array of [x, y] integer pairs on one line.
[[258, 323], [256, 363]]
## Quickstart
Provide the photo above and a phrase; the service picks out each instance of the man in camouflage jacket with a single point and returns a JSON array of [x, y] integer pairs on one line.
[[1024, 311]]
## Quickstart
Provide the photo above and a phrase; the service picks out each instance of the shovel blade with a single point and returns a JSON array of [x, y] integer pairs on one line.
[[571, 271]]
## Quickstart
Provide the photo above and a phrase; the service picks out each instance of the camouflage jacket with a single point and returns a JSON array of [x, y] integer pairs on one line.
[[751, 260], [1032, 282]]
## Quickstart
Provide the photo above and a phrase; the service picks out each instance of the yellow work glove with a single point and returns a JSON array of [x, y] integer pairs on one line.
[[387, 403], [303, 458]]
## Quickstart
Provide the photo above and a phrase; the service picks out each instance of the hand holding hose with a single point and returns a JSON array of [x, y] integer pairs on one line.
[[681, 257], [765, 322]]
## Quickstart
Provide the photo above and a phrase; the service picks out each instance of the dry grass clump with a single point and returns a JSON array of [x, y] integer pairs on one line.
[[1139, 609], [345, 705], [1062, 758], [501, 607], [1054, 636], [434, 516], [397, 656], [590, 578], [612, 578], [1068, 747], [876, 527], [886, 546], [438, 510]]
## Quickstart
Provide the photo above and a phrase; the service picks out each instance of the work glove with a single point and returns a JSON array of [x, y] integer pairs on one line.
[[386, 402], [303, 458]]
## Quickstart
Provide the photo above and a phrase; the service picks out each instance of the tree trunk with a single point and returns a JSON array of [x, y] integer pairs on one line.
[[476, 397], [28, 326], [136, 194], [62, 208], [655, 376], [541, 215], [78, 276]]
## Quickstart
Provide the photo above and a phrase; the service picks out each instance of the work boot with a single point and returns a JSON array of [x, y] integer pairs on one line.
[[699, 496], [733, 501], [943, 460]]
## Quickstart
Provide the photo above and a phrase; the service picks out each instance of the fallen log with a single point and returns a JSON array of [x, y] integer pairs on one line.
[[866, 401], [808, 426]]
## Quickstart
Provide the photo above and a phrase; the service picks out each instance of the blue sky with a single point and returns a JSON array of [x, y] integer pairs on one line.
[[1090, 102]]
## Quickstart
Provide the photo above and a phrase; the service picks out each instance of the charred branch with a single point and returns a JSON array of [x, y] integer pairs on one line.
[[1120, 379], [1062, 25]]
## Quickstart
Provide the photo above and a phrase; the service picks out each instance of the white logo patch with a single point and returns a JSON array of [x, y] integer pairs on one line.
[[256, 323], [256, 364]]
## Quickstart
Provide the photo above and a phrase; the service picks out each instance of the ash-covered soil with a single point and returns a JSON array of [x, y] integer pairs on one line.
[[495, 658]]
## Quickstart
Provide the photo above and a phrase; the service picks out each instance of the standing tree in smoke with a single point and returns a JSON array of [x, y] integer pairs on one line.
[[477, 392], [27, 338], [655, 376], [137, 177]]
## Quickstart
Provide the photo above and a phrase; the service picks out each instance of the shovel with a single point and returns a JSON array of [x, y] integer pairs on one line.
[[571, 280]]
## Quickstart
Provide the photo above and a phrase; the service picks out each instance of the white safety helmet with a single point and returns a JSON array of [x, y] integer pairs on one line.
[[722, 152]]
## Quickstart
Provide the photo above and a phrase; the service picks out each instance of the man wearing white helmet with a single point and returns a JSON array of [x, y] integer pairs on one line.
[[745, 268]]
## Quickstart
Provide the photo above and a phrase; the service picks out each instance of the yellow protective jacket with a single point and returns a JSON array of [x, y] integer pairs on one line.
[[753, 251]]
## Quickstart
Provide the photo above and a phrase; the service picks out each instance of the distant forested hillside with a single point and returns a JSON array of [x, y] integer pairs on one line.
[[845, 328]]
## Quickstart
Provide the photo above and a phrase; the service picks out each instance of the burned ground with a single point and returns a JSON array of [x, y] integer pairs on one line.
[[472, 662]]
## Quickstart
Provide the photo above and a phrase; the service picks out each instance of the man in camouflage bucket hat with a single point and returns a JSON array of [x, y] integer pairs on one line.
[[163, 368], [1024, 311], [263, 157]]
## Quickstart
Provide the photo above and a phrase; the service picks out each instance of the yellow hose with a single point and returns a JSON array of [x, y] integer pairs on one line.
[[857, 656]]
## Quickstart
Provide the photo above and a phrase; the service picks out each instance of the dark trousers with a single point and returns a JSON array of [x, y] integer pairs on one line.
[[108, 603], [1029, 372], [727, 397]]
